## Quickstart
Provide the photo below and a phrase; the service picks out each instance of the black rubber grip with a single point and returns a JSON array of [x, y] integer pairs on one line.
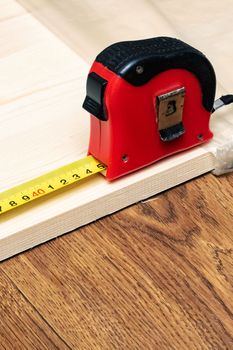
[[139, 61]]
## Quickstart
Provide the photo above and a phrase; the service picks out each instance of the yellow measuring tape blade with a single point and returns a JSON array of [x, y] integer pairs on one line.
[[48, 183]]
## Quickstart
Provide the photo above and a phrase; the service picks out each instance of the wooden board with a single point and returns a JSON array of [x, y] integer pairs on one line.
[[42, 126]]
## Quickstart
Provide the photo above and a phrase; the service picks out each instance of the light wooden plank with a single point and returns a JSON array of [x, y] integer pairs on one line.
[[43, 126], [89, 26], [10, 9]]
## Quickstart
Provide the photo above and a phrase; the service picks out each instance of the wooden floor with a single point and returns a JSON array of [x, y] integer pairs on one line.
[[157, 275]]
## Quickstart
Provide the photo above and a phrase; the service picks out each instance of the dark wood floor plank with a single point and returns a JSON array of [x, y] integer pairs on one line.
[[157, 275], [21, 326]]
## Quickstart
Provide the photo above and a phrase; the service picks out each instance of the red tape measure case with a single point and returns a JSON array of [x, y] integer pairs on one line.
[[148, 99]]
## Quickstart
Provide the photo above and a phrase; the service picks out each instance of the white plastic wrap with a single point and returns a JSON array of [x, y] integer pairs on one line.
[[224, 158]]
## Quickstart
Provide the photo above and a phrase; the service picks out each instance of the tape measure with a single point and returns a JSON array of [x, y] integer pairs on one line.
[[48, 183], [148, 99]]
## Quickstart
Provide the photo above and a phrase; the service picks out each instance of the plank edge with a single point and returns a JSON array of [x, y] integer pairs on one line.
[[106, 205]]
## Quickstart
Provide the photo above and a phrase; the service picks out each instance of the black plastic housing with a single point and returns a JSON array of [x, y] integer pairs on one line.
[[139, 61]]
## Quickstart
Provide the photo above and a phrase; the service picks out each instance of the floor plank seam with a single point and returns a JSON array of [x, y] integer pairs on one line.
[[36, 310]]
